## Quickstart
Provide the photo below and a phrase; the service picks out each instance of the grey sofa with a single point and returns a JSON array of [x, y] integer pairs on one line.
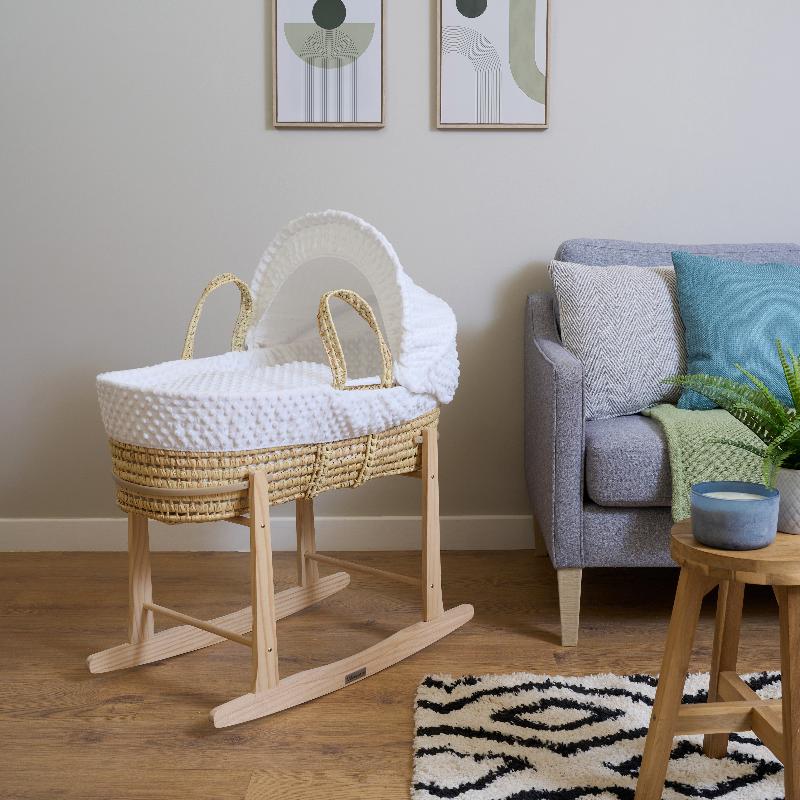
[[600, 490]]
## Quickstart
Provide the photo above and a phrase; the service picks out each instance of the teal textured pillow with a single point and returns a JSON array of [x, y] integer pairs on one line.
[[733, 312]]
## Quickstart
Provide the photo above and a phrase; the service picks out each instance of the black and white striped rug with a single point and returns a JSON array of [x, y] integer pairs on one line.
[[523, 736]]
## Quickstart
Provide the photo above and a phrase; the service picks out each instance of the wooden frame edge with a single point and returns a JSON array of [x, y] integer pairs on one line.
[[328, 125], [472, 126], [309, 684], [181, 639]]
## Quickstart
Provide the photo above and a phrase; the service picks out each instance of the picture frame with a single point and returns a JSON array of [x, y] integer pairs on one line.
[[489, 111], [328, 87]]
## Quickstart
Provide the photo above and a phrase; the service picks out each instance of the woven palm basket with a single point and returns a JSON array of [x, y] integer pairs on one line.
[[185, 486]]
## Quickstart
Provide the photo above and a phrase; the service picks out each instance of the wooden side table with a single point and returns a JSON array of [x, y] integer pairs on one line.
[[732, 704]]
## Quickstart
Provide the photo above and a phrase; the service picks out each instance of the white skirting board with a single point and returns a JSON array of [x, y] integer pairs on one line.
[[333, 533]]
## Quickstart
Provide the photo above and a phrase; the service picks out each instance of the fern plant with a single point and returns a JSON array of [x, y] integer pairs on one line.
[[754, 405]]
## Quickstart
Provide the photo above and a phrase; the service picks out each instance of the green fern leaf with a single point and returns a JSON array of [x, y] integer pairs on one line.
[[769, 398], [736, 398], [791, 372], [750, 419], [792, 431], [713, 383], [771, 465], [795, 363]]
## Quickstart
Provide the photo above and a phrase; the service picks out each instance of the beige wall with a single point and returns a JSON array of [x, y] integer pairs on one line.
[[135, 163]]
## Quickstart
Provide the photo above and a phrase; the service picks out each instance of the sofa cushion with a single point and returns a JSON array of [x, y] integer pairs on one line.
[[734, 311], [627, 463], [622, 323]]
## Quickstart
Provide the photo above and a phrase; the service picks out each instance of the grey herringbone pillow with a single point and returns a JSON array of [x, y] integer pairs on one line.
[[624, 326]]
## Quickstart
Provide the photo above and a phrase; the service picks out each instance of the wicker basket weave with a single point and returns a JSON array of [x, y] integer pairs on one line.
[[182, 486]]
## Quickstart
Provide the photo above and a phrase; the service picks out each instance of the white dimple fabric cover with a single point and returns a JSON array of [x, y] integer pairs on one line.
[[247, 401], [420, 328]]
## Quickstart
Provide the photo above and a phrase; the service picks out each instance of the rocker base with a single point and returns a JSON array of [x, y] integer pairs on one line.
[[313, 683], [185, 638], [269, 693]]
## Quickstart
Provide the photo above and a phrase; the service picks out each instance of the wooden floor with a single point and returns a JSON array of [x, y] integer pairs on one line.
[[144, 733]]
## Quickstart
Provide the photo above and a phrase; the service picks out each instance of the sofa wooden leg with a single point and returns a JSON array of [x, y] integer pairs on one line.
[[569, 600]]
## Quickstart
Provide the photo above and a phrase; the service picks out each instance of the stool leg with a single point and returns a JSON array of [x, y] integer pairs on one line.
[[692, 587], [432, 607], [789, 601], [307, 571], [140, 585], [265, 645], [724, 655]]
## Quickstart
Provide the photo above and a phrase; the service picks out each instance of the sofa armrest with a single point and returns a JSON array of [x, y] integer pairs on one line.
[[554, 435]]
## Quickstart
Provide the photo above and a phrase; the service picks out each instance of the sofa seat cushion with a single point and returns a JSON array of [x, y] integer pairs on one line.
[[627, 463]]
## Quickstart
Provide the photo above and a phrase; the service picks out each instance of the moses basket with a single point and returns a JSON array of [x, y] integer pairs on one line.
[[285, 416]]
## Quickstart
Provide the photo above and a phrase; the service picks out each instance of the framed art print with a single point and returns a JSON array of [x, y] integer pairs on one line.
[[493, 63], [328, 63]]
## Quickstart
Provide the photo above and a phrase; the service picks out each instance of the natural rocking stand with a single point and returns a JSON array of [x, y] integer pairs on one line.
[[270, 693], [227, 437]]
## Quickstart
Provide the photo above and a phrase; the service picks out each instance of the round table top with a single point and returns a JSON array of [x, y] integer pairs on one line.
[[778, 564]]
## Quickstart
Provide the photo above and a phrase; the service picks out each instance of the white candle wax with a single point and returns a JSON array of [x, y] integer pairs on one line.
[[733, 496]]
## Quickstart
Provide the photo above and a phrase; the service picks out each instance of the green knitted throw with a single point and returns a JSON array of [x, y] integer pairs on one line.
[[695, 454]]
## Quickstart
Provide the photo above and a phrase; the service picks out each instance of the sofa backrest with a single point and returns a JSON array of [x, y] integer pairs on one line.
[[610, 252]]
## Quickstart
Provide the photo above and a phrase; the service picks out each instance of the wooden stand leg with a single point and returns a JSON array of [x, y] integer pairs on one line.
[[692, 587], [265, 644], [140, 586], [724, 655], [569, 602], [789, 601], [432, 607], [307, 571]]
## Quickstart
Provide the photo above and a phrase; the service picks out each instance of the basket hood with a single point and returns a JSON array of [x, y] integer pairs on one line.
[[419, 327]]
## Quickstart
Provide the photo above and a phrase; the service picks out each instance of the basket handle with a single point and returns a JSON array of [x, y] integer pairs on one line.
[[333, 347], [242, 321]]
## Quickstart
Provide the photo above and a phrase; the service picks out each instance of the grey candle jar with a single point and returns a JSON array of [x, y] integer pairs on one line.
[[727, 524]]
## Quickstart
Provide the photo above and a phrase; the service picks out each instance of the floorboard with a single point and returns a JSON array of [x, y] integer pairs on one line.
[[144, 733]]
